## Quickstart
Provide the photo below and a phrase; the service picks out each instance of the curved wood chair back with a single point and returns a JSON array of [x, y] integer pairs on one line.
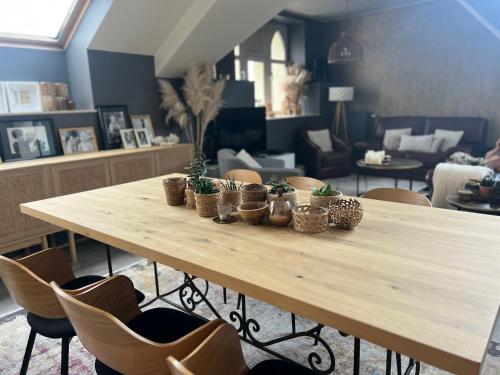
[[220, 353], [304, 183], [27, 280], [99, 316], [398, 196], [243, 175]]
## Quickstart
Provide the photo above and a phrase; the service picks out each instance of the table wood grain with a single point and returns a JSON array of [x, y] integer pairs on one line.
[[420, 281]]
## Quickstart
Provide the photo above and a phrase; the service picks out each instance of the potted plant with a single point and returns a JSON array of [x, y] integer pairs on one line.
[[231, 192], [288, 192], [253, 193], [486, 187], [197, 169], [206, 196], [323, 196]]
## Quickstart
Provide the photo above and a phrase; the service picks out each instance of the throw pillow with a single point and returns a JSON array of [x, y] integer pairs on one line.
[[392, 138], [321, 138], [416, 143], [436, 143], [451, 138], [243, 155]]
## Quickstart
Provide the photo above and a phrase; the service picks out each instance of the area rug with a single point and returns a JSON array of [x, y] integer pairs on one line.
[[274, 322]]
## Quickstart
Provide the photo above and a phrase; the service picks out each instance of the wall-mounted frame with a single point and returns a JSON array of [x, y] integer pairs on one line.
[[112, 119]]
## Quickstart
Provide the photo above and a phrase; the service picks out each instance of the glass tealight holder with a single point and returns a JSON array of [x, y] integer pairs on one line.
[[224, 209]]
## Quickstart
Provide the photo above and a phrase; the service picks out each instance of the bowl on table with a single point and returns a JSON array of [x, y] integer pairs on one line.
[[253, 212]]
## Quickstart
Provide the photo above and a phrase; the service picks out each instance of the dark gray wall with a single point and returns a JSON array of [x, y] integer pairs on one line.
[[430, 59], [26, 64]]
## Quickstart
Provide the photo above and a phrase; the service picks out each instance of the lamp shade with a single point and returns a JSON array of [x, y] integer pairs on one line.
[[341, 94]]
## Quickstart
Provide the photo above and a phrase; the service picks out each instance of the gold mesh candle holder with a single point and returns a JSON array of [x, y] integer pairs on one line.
[[308, 219], [174, 190], [346, 213]]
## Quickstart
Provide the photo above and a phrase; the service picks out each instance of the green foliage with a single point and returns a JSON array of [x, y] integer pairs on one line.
[[283, 186], [488, 180], [230, 185], [203, 185], [197, 168], [325, 191]]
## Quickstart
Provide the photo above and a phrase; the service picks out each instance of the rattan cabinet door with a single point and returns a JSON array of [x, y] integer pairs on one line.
[[173, 159], [75, 177], [132, 167]]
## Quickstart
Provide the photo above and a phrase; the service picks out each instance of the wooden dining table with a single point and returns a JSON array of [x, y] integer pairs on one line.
[[423, 282]]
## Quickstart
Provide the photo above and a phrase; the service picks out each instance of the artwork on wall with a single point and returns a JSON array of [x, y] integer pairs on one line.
[[78, 140], [113, 119], [22, 140], [4, 105], [128, 138], [143, 122], [24, 96], [142, 138]]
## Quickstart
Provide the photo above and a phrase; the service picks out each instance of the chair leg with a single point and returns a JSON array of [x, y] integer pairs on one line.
[[27, 353], [65, 355], [224, 292]]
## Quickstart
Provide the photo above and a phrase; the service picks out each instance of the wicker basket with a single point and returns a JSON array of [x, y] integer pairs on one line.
[[308, 219], [190, 199], [324, 201], [253, 193], [346, 213], [253, 212], [206, 204], [231, 196], [291, 196], [174, 190]]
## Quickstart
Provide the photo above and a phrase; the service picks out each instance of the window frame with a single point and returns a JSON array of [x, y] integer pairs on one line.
[[67, 31]]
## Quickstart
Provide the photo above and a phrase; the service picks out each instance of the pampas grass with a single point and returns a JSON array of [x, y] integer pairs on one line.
[[201, 102]]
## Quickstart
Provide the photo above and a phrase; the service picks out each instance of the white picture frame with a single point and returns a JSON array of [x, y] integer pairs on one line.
[[24, 97], [4, 104], [143, 122], [128, 138], [142, 138]]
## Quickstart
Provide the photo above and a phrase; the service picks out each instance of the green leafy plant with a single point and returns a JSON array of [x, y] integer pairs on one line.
[[488, 180], [203, 185], [282, 186], [325, 191], [197, 168], [230, 185]]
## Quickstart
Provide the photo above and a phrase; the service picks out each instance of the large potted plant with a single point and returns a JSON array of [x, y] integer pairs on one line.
[[287, 191], [206, 196]]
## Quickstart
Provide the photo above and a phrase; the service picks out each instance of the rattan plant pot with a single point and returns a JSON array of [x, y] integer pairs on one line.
[[190, 199], [308, 219], [174, 190], [206, 204], [253, 193], [232, 196], [291, 196], [346, 213], [324, 201]]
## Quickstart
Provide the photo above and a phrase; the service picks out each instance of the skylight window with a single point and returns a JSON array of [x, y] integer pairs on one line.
[[46, 22]]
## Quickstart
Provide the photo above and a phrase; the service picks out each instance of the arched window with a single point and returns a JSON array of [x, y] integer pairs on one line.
[[278, 71]]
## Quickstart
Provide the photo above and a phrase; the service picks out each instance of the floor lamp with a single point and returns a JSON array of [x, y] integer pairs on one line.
[[340, 95]]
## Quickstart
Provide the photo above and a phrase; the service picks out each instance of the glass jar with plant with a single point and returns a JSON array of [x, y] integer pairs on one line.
[[231, 192], [206, 196], [486, 187], [288, 192]]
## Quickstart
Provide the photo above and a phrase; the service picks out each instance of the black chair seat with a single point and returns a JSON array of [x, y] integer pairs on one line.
[[275, 366], [59, 328], [160, 325]]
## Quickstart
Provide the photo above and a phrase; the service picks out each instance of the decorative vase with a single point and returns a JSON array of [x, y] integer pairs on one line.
[[485, 193], [291, 196], [190, 199], [280, 212], [346, 213], [253, 193], [206, 204], [174, 190]]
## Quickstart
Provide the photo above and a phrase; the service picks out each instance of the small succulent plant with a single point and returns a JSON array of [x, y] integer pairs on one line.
[[325, 191], [283, 186], [203, 185], [197, 168], [230, 185]]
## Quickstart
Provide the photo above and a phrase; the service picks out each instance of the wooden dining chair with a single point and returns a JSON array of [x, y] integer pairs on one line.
[[27, 280], [243, 175], [398, 196], [124, 339], [304, 183], [221, 353]]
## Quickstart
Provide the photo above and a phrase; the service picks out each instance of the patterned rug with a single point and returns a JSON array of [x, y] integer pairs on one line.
[[274, 322]]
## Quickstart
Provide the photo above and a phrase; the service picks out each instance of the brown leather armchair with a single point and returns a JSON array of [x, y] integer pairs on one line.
[[321, 164]]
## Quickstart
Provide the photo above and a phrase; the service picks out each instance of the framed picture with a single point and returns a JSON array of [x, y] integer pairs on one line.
[[143, 122], [23, 140], [128, 138], [113, 119], [142, 138], [4, 105], [24, 96], [78, 140]]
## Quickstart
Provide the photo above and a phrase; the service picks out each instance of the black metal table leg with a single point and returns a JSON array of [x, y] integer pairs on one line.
[[388, 363], [396, 180], [357, 349], [157, 282], [357, 183], [411, 180], [110, 265], [27, 353], [398, 363]]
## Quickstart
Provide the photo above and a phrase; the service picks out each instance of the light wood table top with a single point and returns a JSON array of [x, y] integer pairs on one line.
[[420, 281]]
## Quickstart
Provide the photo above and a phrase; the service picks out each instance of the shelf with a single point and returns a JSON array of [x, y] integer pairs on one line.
[[49, 113], [291, 117]]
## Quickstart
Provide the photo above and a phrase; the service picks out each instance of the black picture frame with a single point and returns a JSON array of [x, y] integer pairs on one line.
[[116, 116], [27, 139]]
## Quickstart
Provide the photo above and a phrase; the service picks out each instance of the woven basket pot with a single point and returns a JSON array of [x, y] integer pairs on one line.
[[291, 196], [346, 213], [231, 196], [257, 194], [174, 190], [190, 199], [308, 219], [206, 204], [324, 201]]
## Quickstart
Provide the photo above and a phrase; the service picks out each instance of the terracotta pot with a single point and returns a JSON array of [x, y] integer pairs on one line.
[[206, 204], [174, 190], [485, 193]]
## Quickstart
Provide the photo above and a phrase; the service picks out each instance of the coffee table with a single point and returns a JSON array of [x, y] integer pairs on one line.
[[473, 206], [395, 165]]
